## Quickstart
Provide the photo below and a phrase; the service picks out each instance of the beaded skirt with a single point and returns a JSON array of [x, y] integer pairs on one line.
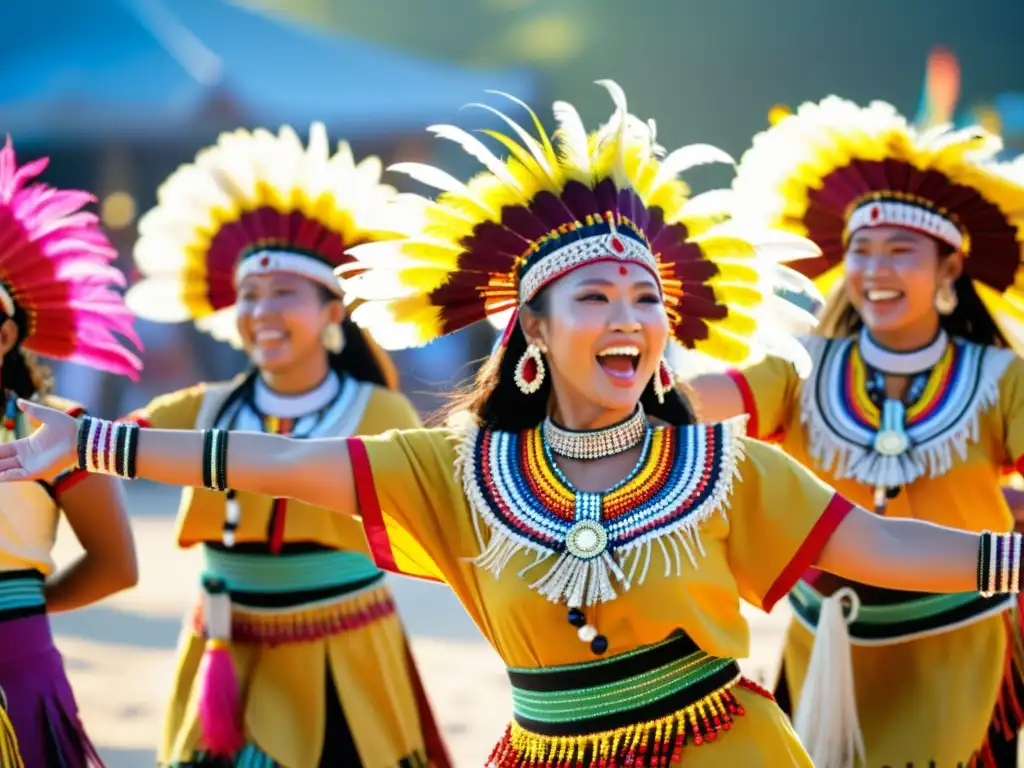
[[650, 707], [39, 725], [323, 664]]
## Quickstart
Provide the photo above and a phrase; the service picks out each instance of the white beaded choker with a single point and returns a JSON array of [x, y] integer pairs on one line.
[[902, 363], [596, 443]]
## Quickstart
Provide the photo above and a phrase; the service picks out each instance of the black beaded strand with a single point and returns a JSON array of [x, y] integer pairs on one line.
[[207, 453], [598, 643]]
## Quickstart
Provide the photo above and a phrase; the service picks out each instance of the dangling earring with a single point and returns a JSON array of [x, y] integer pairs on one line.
[[664, 381], [530, 370], [945, 299], [333, 338]]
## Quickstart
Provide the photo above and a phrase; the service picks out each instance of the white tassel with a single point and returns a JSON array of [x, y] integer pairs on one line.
[[216, 609], [826, 717]]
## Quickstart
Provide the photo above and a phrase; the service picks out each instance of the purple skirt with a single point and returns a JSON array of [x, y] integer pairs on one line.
[[38, 697]]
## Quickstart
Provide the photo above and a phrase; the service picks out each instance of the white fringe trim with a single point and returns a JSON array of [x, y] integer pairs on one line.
[[833, 453], [588, 582]]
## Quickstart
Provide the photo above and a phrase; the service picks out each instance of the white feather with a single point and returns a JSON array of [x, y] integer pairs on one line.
[[399, 254], [441, 180], [532, 144], [789, 317], [618, 124], [788, 279], [713, 203], [388, 333], [573, 135], [476, 148], [688, 157]]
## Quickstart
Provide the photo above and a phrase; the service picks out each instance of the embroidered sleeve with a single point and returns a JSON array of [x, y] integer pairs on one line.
[[780, 518], [414, 514], [175, 410], [1011, 406], [769, 390]]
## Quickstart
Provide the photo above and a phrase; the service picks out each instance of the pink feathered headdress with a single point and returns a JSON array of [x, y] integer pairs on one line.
[[55, 266]]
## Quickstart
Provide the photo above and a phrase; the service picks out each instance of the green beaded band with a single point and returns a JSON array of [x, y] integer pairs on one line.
[[885, 623], [620, 696], [643, 685]]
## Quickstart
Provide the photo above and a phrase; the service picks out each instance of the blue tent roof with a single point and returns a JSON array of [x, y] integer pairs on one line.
[[82, 70]]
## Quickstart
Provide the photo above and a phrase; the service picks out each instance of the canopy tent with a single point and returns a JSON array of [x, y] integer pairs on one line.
[[75, 72]]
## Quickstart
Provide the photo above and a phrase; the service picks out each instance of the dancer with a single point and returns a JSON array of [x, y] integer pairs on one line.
[[244, 242], [913, 410], [57, 299], [577, 470]]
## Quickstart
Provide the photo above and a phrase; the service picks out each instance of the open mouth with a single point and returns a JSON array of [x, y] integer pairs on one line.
[[620, 362], [881, 295], [268, 337]]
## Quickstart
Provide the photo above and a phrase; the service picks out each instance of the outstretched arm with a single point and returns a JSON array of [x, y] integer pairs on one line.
[[910, 555], [317, 472], [95, 508]]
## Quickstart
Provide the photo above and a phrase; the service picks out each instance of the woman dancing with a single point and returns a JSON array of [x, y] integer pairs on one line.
[[244, 242], [915, 409], [57, 299], [600, 540]]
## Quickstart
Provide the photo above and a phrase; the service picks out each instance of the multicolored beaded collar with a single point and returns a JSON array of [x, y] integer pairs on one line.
[[843, 421], [590, 540]]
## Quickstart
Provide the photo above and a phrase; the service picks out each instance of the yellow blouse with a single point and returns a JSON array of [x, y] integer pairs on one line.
[[751, 517], [30, 512], [967, 428], [201, 512]]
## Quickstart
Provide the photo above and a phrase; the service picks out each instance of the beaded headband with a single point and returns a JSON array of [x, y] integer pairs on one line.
[[254, 203], [484, 247], [833, 167]]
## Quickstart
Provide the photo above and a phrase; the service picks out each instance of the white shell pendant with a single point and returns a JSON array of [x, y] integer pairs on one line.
[[891, 439]]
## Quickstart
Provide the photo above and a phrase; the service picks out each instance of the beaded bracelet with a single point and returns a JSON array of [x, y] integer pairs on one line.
[[215, 459], [107, 447], [999, 563]]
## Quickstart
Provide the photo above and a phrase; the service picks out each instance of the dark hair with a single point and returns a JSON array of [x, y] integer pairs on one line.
[[357, 358], [23, 374], [497, 403], [969, 321]]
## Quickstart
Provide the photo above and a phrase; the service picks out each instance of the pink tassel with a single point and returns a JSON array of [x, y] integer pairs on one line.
[[218, 701], [219, 708]]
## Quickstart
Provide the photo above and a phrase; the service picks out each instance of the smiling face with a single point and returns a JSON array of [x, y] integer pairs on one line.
[[281, 319], [892, 276], [604, 330]]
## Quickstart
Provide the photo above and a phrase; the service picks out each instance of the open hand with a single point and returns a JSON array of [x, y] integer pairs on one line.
[[45, 453]]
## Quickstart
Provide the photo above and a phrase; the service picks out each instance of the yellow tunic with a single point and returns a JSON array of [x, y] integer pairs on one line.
[[282, 675], [31, 511], [930, 700], [420, 522]]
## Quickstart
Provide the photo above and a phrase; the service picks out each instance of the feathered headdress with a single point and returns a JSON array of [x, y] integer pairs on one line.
[[558, 203], [56, 277], [834, 167], [252, 203]]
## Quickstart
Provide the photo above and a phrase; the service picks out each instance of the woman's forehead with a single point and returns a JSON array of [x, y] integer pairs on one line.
[[273, 279], [889, 235], [612, 272]]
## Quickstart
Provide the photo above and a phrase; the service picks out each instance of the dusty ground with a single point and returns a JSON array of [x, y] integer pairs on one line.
[[120, 654]]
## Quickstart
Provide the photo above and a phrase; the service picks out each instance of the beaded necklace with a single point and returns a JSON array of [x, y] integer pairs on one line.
[[592, 542], [590, 444], [855, 432]]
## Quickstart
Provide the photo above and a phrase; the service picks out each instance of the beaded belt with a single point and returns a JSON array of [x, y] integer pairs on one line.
[[286, 598], [21, 594], [640, 707], [904, 620]]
